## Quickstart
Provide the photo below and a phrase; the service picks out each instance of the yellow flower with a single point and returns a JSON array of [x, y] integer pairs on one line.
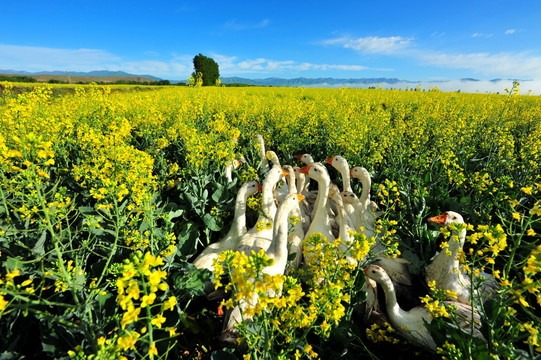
[[128, 342], [3, 303], [170, 303], [158, 320], [131, 315], [152, 350], [13, 274], [148, 300]]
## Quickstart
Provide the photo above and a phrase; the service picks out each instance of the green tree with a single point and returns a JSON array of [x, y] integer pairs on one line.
[[207, 67]]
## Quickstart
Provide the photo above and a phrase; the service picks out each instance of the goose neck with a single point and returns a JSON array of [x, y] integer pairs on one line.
[[278, 247], [393, 309], [239, 216]]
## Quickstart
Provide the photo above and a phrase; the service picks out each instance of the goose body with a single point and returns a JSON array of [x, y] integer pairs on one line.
[[254, 239], [238, 228], [278, 249], [414, 319], [367, 207], [344, 223], [445, 268], [320, 220], [294, 239], [278, 252], [305, 205]]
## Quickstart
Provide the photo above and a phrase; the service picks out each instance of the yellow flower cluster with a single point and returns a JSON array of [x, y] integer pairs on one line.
[[138, 288], [376, 333], [435, 303]]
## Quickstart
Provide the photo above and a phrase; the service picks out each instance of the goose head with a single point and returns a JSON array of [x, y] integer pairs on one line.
[[291, 200], [291, 175], [447, 218], [338, 162], [274, 175], [359, 172], [236, 163], [251, 187], [377, 274], [348, 197], [305, 158], [272, 157], [316, 171]]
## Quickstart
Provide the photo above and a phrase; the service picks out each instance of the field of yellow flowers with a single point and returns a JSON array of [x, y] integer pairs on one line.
[[106, 197]]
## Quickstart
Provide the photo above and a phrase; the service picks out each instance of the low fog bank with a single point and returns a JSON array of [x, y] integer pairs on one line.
[[532, 87]]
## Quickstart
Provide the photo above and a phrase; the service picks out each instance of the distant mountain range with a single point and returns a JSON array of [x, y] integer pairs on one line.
[[464, 84], [302, 81], [99, 73]]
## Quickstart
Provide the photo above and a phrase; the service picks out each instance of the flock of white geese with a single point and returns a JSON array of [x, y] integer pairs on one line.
[[335, 214]]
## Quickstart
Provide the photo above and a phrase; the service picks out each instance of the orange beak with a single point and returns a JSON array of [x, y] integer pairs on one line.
[[351, 172], [439, 220], [298, 157], [329, 160], [305, 169], [366, 269], [259, 187], [300, 197], [284, 173]]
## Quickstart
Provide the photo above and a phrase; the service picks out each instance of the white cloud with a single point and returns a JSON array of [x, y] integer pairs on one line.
[[372, 44], [481, 86], [510, 31], [481, 35], [269, 66], [41, 58], [503, 64]]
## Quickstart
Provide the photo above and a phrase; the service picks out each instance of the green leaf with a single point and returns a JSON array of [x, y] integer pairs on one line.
[[175, 214], [192, 280], [187, 239], [465, 200], [38, 248], [212, 222], [218, 194]]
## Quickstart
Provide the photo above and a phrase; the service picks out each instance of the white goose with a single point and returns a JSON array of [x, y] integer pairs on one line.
[[297, 234], [320, 220], [411, 324], [445, 269], [254, 239], [272, 157], [343, 220], [230, 165], [368, 216], [278, 252], [305, 205], [278, 249], [238, 228], [264, 162], [341, 164], [307, 159]]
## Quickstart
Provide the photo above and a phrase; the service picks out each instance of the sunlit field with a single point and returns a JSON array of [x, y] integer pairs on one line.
[[108, 196]]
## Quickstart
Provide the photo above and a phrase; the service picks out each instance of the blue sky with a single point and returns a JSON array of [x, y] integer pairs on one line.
[[409, 40]]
